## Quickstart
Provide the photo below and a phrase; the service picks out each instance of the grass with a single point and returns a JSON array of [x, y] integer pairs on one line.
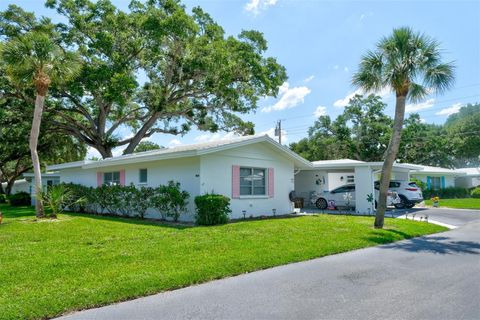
[[50, 267], [465, 203]]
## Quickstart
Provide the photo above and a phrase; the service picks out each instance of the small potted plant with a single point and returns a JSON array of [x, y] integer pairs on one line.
[[435, 201]]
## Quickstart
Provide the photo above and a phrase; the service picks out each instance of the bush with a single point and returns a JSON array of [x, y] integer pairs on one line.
[[20, 199], [212, 209], [447, 193], [475, 193], [170, 200], [141, 200], [59, 197], [3, 198]]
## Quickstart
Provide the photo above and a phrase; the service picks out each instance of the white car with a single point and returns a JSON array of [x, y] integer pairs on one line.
[[408, 192], [344, 196]]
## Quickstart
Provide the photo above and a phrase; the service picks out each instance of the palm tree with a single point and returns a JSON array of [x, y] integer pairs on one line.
[[408, 63], [34, 61]]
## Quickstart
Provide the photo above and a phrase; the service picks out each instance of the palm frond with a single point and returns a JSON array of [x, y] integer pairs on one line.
[[440, 77]]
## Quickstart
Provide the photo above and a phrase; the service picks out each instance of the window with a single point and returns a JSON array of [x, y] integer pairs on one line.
[[435, 183], [350, 179], [111, 178], [252, 182], [143, 176]]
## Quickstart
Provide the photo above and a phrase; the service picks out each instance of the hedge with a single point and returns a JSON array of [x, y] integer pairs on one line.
[[212, 209]]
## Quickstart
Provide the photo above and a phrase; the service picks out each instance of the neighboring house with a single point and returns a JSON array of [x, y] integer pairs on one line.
[[21, 185], [436, 178], [256, 172], [48, 179], [471, 178]]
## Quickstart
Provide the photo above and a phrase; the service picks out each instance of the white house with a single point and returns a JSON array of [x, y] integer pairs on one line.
[[21, 185], [436, 178], [256, 172], [471, 178]]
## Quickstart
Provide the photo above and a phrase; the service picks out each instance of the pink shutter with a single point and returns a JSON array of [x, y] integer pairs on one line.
[[271, 183], [122, 177], [235, 182], [99, 179]]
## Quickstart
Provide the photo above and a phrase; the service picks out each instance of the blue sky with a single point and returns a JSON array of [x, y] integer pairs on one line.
[[321, 42]]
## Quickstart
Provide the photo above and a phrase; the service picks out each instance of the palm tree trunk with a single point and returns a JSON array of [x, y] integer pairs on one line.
[[390, 156], [34, 134]]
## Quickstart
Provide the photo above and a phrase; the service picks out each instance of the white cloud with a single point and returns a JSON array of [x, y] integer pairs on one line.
[[335, 67], [174, 143], [362, 16], [320, 111], [340, 103], [416, 107], [345, 69], [454, 108], [309, 78], [271, 133], [290, 97], [255, 6], [92, 153]]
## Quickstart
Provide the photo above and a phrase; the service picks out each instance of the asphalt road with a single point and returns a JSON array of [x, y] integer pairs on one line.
[[433, 277]]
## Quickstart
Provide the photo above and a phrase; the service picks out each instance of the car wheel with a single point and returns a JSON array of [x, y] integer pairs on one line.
[[321, 204], [376, 204], [410, 205], [402, 204]]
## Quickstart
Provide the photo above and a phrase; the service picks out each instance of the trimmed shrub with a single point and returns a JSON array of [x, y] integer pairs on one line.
[[170, 200], [475, 193], [212, 209], [141, 200], [447, 193], [20, 199]]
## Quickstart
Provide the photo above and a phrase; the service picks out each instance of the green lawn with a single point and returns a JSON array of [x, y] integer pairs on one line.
[[82, 261], [465, 203]]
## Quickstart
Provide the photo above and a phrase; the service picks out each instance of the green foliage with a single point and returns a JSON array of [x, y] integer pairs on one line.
[[59, 197], [19, 199], [475, 193], [212, 209], [3, 198], [147, 146], [170, 200], [142, 200], [447, 193], [197, 76], [463, 130]]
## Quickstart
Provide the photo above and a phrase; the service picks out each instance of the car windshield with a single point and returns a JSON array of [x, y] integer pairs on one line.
[[413, 184]]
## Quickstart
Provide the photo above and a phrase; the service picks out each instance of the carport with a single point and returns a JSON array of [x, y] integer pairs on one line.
[[329, 174]]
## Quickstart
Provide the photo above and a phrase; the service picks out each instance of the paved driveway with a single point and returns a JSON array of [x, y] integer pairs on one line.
[[432, 277]]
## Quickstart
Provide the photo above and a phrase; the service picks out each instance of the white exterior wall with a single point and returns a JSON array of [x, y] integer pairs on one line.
[[183, 170], [449, 180], [216, 177], [363, 187], [338, 179], [310, 181], [467, 182], [19, 186]]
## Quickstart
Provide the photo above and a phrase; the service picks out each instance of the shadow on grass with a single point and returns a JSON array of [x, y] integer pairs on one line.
[[132, 220], [435, 244], [17, 212]]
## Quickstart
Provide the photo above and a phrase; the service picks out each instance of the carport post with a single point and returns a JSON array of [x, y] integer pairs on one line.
[[363, 187]]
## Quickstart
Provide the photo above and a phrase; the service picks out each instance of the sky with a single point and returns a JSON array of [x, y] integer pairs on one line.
[[320, 44]]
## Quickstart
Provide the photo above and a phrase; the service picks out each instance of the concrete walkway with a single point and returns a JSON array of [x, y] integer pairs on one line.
[[432, 277]]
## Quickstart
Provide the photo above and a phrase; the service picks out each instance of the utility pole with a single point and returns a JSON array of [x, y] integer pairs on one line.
[[278, 131]]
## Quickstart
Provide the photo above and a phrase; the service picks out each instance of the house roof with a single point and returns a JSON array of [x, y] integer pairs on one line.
[[469, 171], [437, 170], [351, 164], [185, 151]]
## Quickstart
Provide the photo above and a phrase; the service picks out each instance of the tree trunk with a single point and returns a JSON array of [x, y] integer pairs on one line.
[[34, 134], [9, 187], [390, 156], [141, 134]]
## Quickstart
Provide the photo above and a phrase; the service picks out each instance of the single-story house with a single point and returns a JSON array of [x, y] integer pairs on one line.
[[48, 179], [256, 172], [21, 185], [471, 178], [436, 178]]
